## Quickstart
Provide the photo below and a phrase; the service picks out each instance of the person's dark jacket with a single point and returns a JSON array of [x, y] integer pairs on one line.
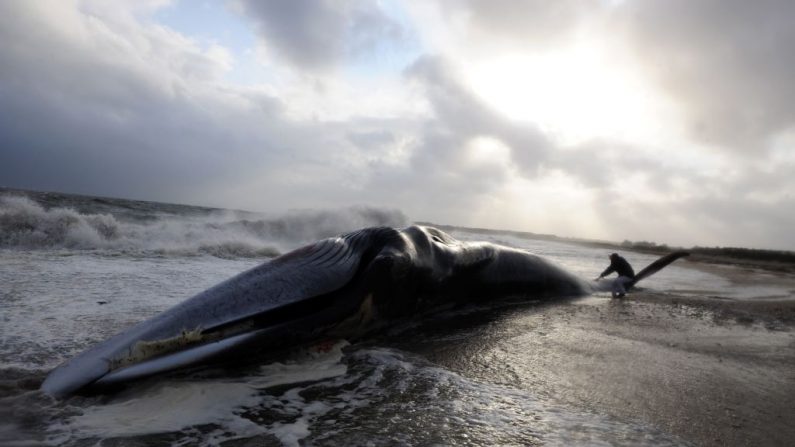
[[620, 266]]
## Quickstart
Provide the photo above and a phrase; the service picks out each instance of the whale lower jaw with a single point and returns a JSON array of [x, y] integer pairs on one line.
[[176, 360], [353, 325]]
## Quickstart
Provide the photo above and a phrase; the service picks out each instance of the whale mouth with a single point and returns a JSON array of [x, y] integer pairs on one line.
[[282, 303], [100, 369], [147, 358], [175, 359]]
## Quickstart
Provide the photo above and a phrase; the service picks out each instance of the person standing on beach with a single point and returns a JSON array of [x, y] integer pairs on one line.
[[625, 274]]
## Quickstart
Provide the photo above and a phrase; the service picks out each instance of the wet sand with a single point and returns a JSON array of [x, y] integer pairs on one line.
[[685, 369], [711, 371]]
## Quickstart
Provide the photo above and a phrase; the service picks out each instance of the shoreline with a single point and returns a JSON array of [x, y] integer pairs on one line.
[[780, 261], [713, 374], [712, 371], [707, 375], [776, 311], [735, 358]]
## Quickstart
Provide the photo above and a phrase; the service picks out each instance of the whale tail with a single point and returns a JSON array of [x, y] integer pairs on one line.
[[656, 266], [619, 286]]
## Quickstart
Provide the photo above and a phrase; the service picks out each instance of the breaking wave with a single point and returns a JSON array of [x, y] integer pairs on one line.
[[26, 224]]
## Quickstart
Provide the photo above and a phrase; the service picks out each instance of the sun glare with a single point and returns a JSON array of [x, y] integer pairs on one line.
[[484, 150], [551, 203], [574, 94]]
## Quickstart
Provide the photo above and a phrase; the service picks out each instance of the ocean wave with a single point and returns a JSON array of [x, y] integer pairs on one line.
[[26, 224]]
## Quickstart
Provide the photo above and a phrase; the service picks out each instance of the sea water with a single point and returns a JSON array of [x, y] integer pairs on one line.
[[76, 270]]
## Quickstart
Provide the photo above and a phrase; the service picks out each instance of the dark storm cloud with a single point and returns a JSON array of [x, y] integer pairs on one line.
[[317, 34], [598, 163], [538, 22], [729, 64], [95, 105]]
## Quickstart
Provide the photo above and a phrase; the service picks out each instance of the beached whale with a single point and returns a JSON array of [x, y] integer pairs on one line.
[[338, 287]]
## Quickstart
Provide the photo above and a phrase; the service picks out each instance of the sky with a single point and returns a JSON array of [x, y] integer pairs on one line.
[[670, 121]]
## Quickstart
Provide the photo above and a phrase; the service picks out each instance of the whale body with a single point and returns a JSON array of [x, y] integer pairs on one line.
[[338, 287]]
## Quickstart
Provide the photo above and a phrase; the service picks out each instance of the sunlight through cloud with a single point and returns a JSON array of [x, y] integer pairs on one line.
[[574, 93]]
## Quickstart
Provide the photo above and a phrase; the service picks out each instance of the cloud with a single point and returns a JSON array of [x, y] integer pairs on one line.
[[461, 156], [460, 116], [111, 105], [725, 65], [728, 64], [89, 104], [724, 68], [102, 100], [321, 34], [538, 22]]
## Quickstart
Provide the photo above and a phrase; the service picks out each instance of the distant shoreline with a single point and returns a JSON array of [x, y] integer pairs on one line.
[[773, 260]]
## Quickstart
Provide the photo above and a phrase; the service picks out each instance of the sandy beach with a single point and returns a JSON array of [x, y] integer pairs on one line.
[[688, 370]]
